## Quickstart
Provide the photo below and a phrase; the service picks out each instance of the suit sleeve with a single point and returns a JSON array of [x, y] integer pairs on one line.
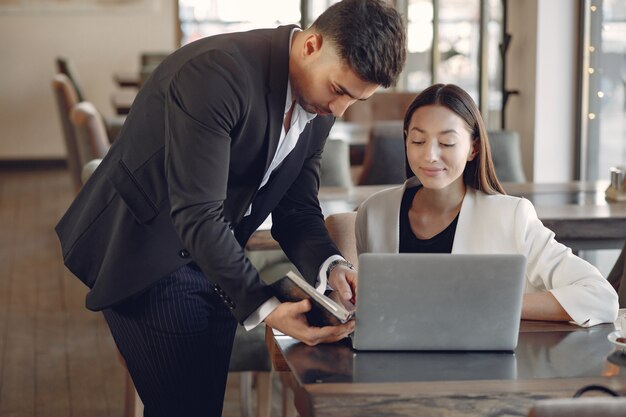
[[578, 286], [298, 222], [206, 100]]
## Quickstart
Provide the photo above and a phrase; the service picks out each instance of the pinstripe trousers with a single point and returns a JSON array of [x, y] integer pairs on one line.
[[176, 339]]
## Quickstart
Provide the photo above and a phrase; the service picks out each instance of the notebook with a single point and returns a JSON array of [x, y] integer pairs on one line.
[[439, 302]]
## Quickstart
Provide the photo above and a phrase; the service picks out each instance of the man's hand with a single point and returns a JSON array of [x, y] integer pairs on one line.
[[289, 319], [343, 280]]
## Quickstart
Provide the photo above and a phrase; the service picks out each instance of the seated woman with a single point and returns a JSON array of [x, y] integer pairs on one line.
[[453, 203]]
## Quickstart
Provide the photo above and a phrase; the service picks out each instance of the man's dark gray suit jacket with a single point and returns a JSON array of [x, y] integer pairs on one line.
[[186, 165]]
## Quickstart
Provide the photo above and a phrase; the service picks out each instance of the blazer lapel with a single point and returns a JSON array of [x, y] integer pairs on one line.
[[278, 76], [465, 238]]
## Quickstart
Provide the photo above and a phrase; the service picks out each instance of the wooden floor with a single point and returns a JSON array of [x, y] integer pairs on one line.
[[56, 357]]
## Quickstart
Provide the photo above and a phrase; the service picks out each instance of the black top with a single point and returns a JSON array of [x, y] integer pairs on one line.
[[409, 243]]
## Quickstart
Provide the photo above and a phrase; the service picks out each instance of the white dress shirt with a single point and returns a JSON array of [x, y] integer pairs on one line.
[[286, 143]]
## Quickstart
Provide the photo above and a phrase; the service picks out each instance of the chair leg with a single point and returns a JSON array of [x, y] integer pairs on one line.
[[289, 409], [263, 383], [246, 378], [263, 393]]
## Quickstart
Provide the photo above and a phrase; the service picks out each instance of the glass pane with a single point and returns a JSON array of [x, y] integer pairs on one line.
[[200, 18], [459, 36], [607, 88], [316, 8], [419, 45], [606, 115]]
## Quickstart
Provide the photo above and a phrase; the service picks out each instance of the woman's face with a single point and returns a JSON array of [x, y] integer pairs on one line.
[[438, 146]]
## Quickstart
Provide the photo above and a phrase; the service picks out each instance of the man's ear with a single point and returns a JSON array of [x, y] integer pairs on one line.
[[474, 149], [312, 44]]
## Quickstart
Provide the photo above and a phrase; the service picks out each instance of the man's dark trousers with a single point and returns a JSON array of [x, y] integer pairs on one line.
[[176, 339]]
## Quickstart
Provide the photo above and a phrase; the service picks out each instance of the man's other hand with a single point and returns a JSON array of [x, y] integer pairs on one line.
[[343, 280], [289, 319]]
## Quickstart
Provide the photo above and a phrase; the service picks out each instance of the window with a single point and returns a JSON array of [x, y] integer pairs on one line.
[[446, 43], [604, 89], [602, 126], [454, 27], [201, 18]]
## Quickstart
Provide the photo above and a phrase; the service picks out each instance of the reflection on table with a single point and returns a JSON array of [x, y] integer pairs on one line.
[[551, 360]]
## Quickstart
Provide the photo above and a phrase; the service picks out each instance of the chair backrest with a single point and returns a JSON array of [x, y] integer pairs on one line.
[[507, 155], [66, 99], [384, 157], [66, 66], [341, 228], [91, 136], [335, 165], [89, 169]]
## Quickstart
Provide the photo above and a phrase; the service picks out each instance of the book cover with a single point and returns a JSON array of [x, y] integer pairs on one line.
[[324, 311]]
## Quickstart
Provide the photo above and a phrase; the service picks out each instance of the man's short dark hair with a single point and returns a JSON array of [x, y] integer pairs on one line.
[[369, 36]]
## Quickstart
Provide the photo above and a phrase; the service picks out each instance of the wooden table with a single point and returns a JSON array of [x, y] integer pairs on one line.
[[123, 100], [550, 361], [127, 79], [577, 212]]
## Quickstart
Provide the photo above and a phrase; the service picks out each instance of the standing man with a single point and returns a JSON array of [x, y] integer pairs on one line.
[[227, 130]]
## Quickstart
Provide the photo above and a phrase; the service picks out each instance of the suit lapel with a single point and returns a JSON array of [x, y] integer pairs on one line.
[[278, 76]]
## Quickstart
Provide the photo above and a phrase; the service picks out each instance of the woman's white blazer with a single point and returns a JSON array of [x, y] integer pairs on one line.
[[501, 224]]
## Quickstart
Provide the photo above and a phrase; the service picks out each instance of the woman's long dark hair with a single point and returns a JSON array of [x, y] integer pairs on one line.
[[480, 172]]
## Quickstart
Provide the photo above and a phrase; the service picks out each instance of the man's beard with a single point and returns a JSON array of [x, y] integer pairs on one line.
[[296, 92]]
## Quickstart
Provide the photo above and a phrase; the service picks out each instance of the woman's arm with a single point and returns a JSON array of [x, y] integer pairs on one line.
[[577, 286], [543, 306]]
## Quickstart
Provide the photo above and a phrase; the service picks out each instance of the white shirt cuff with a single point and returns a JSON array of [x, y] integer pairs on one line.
[[260, 313], [322, 284]]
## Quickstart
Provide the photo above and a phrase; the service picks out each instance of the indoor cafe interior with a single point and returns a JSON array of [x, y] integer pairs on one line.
[[549, 78]]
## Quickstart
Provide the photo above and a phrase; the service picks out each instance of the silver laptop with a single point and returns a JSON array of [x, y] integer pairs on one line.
[[438, 302]]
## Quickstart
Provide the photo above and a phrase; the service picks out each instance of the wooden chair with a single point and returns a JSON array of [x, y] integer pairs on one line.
[[341, 228], [66, 67], [251, 359], [91, 138], [66, 99]]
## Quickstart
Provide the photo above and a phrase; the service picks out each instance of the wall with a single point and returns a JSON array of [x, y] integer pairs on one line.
[[555, 105], [542, 66], [99, 42]]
